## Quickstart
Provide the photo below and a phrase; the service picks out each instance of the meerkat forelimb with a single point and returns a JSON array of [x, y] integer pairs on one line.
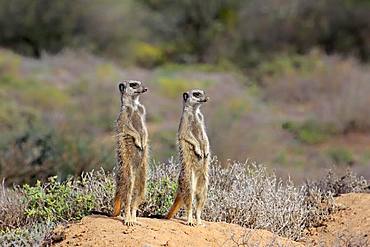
[[132, 151], [194, 155]]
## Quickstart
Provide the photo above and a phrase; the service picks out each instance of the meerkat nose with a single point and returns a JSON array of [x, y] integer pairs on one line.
[[145, 89]]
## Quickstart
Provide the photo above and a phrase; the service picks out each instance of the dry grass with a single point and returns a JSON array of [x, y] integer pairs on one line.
[[245, 194], [337, 89]]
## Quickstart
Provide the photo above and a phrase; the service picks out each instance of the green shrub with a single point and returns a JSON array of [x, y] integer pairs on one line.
[[173, 87], [285, 64], [148, 55], [9, 63], [160, 196], [340, 156], [310, 132], [56, 201]]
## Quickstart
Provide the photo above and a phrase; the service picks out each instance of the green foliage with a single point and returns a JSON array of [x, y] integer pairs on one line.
[[286, 64], [40, 151], [281, 158], [30, 33], [366, 156], [341, 156], [173, 87], [191, 27], [9, 63], [310, 132], [36, 93], [147, 55], [186, 31], [56, 201], [160, 195]]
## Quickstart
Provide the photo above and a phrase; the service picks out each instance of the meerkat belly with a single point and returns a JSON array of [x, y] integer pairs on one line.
[[129, 150], [188, 154], [137, 121]]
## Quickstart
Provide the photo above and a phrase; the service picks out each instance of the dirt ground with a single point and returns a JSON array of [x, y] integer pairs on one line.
[[350, 226], [104, 231]]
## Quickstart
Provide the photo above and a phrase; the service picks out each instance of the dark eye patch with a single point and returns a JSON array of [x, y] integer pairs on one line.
[[134, 85], [196, 94]]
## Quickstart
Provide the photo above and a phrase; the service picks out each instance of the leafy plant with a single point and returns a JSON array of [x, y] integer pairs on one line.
[[310, 132], [341, 156], [56, 201]]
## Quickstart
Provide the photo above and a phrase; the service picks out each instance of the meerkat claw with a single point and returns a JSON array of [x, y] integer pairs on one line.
[[190, 223], [129, 223]]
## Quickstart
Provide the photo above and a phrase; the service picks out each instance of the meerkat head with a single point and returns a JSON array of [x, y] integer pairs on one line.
[[194, 97], [131, 88]]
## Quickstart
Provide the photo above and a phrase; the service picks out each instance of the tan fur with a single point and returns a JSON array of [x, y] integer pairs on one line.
[[194, 154], [132, 152]]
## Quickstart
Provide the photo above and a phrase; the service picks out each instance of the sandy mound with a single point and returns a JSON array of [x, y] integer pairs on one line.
[[104, 231], [349, 227]]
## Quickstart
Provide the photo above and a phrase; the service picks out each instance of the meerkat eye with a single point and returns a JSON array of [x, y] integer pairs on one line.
[[197, 94], [134, 85]]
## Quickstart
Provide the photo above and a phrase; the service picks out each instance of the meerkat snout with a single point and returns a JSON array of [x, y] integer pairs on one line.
[[195, 97], [132, 88]]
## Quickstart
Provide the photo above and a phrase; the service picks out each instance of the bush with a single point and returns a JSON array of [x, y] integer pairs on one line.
[[147, 55], [245, 194], [335, 90], [310, 132], [341, 156], [248, 195], [56, 202], [173, 87], [336, 185], [40, 152]]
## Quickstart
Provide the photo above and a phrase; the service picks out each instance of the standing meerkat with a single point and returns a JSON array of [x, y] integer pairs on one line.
[[194, 153], [132, 151]]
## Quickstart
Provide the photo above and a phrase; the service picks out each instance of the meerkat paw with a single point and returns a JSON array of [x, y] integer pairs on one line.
[[138, 144], [198, 152], [190, 223], [129, 223]]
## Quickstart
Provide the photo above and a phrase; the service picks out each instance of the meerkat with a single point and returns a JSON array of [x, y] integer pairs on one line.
[[194, 154], [131, 150]]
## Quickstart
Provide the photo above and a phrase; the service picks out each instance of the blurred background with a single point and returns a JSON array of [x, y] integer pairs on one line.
[[289, 81]]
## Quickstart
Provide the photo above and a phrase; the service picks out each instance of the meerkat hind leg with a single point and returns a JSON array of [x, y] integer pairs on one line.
[[199, 204], [188, 201], [200, 198], [139, 194], [128, 201]]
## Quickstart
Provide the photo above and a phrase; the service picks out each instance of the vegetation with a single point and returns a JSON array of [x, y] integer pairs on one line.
[[288, 83], [28, 213], [152, 32], [309, 132]]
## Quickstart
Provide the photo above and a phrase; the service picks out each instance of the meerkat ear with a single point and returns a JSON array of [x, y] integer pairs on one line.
[[121, 87], [185, 96]]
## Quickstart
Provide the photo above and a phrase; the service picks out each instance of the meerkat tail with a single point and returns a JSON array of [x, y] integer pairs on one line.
[[117, 206], [175, 207]]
